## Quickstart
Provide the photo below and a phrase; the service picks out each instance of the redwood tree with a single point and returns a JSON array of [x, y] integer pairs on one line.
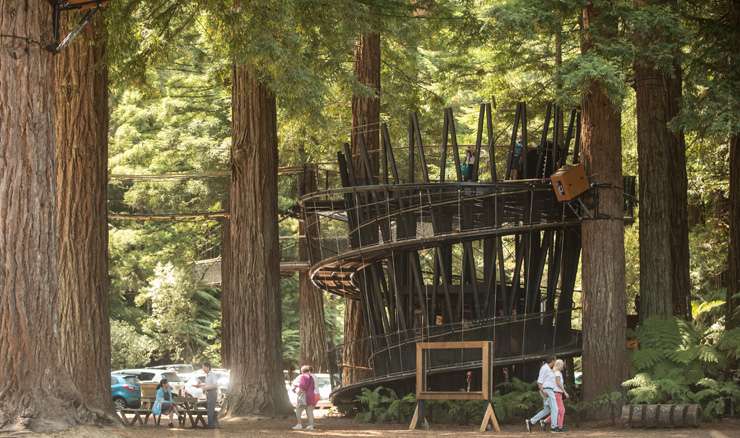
[[733, 288], [252, 316], [664, 232], [365, 122], [604, 315], [35, 389], [81, 125], [225, 276], [312, 326]]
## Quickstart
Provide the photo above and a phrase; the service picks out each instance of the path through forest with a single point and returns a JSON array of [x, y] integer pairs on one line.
[[348, 428]]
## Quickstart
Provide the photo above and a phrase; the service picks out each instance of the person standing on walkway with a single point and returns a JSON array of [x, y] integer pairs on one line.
[[211, 389], [468, 165], [546, 384], [305, 386]]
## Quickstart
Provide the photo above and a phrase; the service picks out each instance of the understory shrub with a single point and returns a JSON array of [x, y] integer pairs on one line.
[[382, 405], [680, 362], [511, 400], [129, 349]]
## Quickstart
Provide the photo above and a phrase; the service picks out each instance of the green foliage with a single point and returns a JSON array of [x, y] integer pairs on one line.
[[129, 349], [678, 362], [714, 395], [516, 399], [182, 313], [170, 96], [511, 401], [383, 405]]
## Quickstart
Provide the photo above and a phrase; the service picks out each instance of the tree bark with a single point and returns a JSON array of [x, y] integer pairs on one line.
[[664, 232], [310, 298], [365, 123], [225, 275], [733, 288], [36, 391], [366, 107], [252, 297], [604, 314], [81, 124]]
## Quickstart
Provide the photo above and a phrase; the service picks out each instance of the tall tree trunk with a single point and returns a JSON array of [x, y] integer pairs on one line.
[[733, 288], [604, 315], [365, 123], [253, 320], [225, 275], [664, 232], [366, 107], [81, 124], [36, 390], [310, 298]]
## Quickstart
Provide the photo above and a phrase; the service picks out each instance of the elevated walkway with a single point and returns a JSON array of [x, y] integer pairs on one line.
[[410, 217]]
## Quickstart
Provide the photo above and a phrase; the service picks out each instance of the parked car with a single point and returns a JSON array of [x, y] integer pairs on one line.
[[224, 378], [126, 391], [179, 368], [154, 375], [222, 374]]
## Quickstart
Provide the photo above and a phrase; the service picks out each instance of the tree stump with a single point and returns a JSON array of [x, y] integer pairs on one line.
[[651, 416], [637, 418], [665, 413], [647, 416], [691, 416], [679, 415], [626, 417]]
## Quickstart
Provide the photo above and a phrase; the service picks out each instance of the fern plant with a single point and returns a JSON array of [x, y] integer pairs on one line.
[[512, 400], [714, 396], [382, 405], [679, 362], [516, 400]]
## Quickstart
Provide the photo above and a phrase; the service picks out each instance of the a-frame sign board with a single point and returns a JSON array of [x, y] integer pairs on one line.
[[486, 392]]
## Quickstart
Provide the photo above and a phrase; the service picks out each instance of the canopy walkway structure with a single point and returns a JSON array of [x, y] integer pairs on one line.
[[469, 258]]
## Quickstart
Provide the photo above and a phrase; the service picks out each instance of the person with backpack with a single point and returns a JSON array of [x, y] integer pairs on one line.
[[305, 387]]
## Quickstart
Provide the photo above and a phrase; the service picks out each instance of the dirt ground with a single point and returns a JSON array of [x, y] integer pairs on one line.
[[348, 428]]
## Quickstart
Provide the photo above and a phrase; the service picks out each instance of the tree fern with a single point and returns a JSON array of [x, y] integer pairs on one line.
[[646, 358], [674, 363], [729, 343]]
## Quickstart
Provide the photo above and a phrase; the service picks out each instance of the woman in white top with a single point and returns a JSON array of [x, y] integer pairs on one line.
[[560, 390]]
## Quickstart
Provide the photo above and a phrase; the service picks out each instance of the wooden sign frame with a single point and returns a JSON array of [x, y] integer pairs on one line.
[[484, 394]]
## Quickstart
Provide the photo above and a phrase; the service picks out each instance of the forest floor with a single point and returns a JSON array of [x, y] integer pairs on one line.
[[348, 428]]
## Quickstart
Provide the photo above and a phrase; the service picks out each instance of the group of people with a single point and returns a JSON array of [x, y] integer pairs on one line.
[[164, 403], [304, 386], [552, 390]]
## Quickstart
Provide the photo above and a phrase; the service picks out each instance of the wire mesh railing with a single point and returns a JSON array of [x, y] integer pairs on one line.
[[516, 339]]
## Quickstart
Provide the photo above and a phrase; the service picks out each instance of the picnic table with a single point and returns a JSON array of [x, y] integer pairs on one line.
[[187, 410]]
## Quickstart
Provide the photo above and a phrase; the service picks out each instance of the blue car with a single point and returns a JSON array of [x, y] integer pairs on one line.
[[126, 391]]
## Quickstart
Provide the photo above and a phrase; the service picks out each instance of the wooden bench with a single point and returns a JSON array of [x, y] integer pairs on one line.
[[187, 409], [137, 413]]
